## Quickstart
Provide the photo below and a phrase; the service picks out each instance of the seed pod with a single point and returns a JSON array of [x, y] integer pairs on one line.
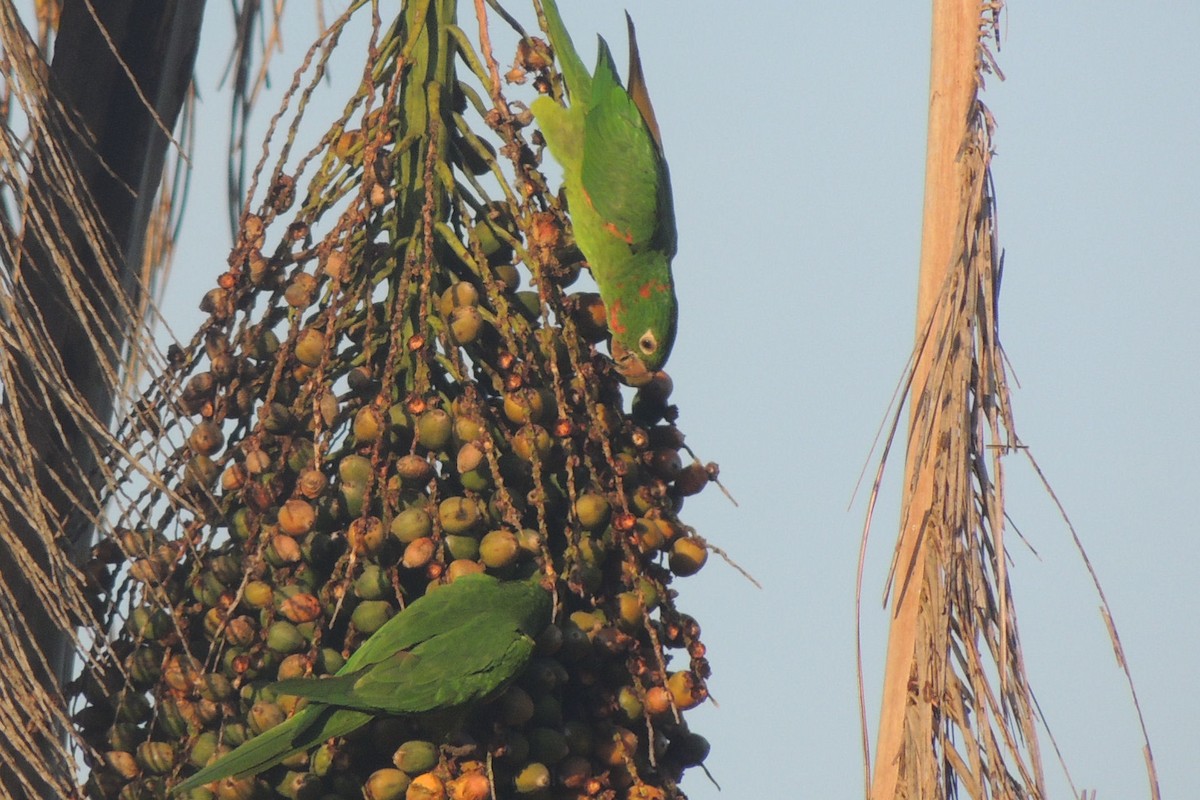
[[355, 469], [498, 549], [386, 784], [426, 786], [416, 756], [527, 405], [629, 703], [466, 324], [462, 547], [152, 624], [203, 748], [123, 763], [613, 746], [265, 715], [547, 745], [458, 515], [411, 524], [296, 517], [532, 442], [373, 583], [686, 691], [515, 706], [156, 757], [419, 552], [214, 686], [206, 438], [469, 786], [593, 511], [434, 429], [367, 536], [370, 615], [470, 456], [301, 290], [534, 777], [368, 425], [282, 550], [687, 556], [414, 470], [284, 638], [462, 566], [310, 346], [312, 483], [300, 608]]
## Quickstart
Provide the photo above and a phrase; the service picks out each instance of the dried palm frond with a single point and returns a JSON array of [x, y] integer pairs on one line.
[[958, 714]]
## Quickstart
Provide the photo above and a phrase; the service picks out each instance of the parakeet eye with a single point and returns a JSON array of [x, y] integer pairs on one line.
[[648, 344]]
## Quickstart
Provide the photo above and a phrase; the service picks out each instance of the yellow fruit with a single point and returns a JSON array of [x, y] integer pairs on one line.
[[458, 514], [533, 778], [367, 536], [462, 566], [156, 757], [687, 556], [459, 295], [593, 511], [310, 347], [296, 517], [123, 763], [686, 690], [434, 429], [264, 716], [426, 786], [416, 756], [499, 549], [368, 425], [386, 784], [470, 786], [466, 324], [258, 594]]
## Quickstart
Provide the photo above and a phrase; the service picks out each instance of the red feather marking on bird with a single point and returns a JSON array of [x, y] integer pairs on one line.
[[649, 288], [612, 228], [614, 318]]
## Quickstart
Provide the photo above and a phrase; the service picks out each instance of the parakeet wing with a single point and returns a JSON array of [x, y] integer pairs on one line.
[[623, 171], [424, 618], [462, 666]]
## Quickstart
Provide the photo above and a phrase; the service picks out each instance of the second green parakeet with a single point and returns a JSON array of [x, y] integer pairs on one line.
[[619, 192], [450, 649]]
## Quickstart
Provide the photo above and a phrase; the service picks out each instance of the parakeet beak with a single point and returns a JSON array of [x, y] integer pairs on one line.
[[629, 366]]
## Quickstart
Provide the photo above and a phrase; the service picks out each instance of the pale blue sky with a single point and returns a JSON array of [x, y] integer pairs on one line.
[[796, 137]]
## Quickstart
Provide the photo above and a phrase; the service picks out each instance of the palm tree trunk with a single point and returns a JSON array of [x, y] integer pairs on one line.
[[116, 86]]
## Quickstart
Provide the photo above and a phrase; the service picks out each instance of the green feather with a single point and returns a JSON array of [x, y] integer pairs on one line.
[[619, 191], [455, 647]]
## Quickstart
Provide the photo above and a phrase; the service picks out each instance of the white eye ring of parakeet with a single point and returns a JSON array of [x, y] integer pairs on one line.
[[648, 344]]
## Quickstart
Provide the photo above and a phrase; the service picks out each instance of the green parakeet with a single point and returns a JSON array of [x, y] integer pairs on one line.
[[450, 649], [619, 192]]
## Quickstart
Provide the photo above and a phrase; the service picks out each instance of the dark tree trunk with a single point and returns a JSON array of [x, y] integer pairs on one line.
[[118, 148]]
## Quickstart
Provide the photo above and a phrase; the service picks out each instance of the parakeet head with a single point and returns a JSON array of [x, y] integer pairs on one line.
[[642, 324]]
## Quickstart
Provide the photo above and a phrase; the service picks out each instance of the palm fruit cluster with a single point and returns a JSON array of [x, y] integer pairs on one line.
[[397, 385]]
